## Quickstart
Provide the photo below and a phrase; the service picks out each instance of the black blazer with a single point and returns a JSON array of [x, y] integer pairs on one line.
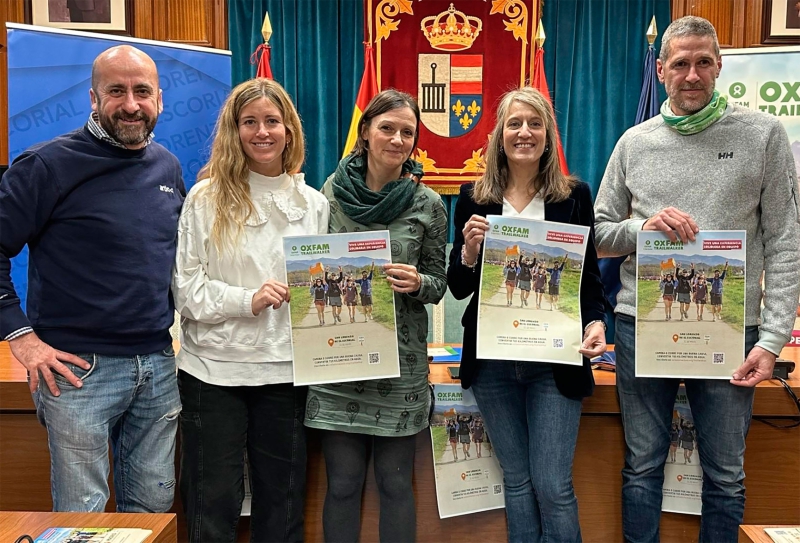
[[572, 381]]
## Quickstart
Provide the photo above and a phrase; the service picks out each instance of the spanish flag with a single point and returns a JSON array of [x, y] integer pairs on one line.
[[668, 264], [368, 89], [513, 250], [540, 83]]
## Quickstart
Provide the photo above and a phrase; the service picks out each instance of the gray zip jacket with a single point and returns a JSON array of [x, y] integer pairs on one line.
[[738, 174]]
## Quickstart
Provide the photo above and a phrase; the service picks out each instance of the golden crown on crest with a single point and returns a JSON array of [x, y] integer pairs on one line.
[[451, 30]]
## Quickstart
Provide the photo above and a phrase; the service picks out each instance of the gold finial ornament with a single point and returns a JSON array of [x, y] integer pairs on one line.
[[540, 35], [652, 31], [266, 28], [451, 30]]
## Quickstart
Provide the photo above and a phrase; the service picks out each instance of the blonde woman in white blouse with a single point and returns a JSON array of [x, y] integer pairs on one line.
[[235, 364]]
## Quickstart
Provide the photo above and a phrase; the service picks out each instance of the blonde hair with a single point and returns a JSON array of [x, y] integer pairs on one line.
[[229, 190], [550, 183]]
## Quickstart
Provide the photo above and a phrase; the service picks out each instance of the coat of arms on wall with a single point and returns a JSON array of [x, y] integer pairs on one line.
[[457, 58]]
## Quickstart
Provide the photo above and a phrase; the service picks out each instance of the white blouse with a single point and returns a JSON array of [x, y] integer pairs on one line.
[[222, 342]]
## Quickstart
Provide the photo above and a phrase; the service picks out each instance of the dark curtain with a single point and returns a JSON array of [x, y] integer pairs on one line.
[[317, 55], [594, 55]]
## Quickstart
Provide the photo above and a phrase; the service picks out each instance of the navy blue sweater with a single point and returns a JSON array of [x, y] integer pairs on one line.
[[101, 226]]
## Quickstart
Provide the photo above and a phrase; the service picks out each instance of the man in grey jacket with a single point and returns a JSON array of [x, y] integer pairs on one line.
[[701, 164]]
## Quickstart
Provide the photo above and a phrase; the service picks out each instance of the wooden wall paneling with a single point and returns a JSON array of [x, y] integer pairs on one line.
[[221, 24], [184, 21], [752, 28], [24, 464], [194, 22], [727, 16], [738, 22], [143, 19], [10, 11]]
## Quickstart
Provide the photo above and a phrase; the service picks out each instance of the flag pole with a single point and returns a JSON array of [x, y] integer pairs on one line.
[[261, 55], [266, 28], [652, 31]]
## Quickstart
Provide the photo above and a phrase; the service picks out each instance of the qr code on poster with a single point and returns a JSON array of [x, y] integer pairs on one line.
[[558, 343], [497, 489], [374, 358], [718, 358]]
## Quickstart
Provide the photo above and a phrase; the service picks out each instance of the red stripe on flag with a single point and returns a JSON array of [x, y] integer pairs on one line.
[[369, 81], [466, 87], [540, 82], [466, 61]]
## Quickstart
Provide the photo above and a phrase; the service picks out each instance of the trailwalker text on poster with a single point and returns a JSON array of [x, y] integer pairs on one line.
[[690, 305], [468, 475], [343, 321], [529, 300]]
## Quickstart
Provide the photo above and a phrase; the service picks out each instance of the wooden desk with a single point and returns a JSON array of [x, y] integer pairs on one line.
[[772, 464], [756, 534], [13, 525]]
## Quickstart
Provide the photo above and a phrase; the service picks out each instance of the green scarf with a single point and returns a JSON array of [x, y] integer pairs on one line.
[[687, 125], [366, 206]]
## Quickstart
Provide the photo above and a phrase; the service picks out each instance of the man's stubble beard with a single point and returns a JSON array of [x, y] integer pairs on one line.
[[127, 135]]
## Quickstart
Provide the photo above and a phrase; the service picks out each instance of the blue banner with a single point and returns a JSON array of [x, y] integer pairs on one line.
[[49, 76]]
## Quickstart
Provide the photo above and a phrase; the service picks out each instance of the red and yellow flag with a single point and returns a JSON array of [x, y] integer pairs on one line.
[[513, 250], [540, 83], [316, 268], [368, 89]]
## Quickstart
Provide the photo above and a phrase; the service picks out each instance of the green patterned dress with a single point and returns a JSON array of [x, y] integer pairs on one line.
[[400, 406]]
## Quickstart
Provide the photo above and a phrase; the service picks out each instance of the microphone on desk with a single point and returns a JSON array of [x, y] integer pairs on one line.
[[782, 368]]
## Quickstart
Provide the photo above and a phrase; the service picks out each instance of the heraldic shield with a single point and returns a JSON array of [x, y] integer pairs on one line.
[[457, 58], [450, 93]]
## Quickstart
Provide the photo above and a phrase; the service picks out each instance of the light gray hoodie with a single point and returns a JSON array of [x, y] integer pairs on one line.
[[738, 174]]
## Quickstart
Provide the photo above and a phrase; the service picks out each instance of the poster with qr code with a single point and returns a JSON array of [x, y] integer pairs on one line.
[[683, 476], [467, 472], [529, 299], [690, 305], [342, 308]]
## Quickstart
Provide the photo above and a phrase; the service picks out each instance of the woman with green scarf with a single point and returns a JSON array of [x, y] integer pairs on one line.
[[377, 187]]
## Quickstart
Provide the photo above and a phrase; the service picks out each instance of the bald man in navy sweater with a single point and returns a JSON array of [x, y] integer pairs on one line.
[[98, 208]]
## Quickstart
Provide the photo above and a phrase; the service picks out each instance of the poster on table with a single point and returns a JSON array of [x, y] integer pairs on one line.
[[342, 307], [690, 305], [767, 80], [683, 476], [467, 473], [783, 535], [529, 307]]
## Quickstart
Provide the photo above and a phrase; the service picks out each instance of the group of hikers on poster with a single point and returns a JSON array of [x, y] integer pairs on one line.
[[336, 289], [687, 286], [524, 273]]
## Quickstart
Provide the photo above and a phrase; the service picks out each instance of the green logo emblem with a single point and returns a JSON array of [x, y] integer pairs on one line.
[[737, 90]]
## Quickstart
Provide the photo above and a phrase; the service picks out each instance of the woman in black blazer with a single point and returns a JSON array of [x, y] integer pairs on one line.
[[531, 410]]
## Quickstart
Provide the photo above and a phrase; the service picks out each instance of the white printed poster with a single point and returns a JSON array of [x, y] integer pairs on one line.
[[767, 79], [342, 308], [468, 475], [690, 305], [683, 476], [529, 300]]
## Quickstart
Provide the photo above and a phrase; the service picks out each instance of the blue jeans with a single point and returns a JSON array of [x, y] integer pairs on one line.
[[220, 423], [533, 430], [721, 413], [132, 400]]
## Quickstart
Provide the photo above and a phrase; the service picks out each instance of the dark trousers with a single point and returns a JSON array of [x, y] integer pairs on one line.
[[346, 458], [220, 423]]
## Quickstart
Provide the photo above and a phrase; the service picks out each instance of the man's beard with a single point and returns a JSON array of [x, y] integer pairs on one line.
[[692, 106], [127, 134]]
